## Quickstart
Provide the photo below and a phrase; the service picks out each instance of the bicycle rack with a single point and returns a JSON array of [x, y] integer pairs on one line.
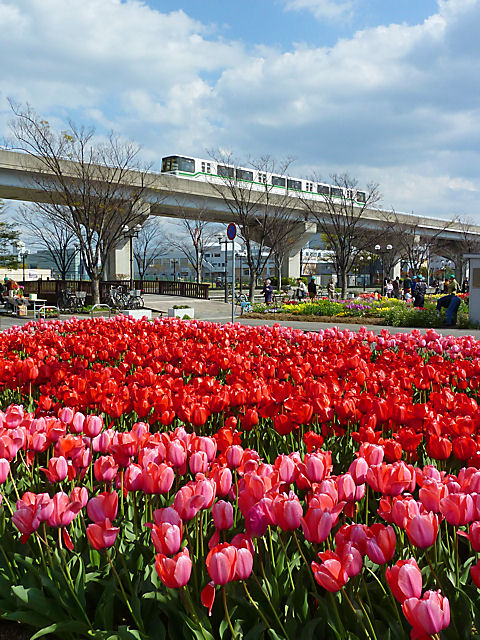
[[101, 306], [43, 310]]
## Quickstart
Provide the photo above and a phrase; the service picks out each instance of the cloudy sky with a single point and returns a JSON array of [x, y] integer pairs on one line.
[[386, 91]]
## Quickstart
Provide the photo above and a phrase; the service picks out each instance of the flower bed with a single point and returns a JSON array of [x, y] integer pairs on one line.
[[185, 480], [391, 311]]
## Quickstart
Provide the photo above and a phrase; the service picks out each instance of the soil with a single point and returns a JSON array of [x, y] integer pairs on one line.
[[330, 319]]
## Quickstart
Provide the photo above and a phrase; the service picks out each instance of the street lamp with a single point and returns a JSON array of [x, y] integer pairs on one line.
[[174, 262], [22, 254], [382, 253], [131, 233], [220, 241], [241, 254]]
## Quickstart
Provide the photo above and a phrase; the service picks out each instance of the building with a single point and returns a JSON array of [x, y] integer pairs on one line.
[[174, 265]]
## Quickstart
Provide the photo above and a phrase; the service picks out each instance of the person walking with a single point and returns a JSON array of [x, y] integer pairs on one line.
[[396, 287], [301, 290], [389, 288], [267, 291], [419, 294], [331, 291], [407, 284], [312, 288]]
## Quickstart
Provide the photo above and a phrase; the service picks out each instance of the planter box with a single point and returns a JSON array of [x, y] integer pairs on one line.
[[138, 314], [180, 313]]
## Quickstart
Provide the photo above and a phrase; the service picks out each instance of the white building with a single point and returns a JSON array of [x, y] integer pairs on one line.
[[175, 265]]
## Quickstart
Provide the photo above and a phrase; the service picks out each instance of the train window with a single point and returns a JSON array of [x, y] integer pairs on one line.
[[337, 192], [294, 184], [324, 189], [361, 196], [177, 163], [278, 181], [206, 167], [309, 186], [224, 171], [262, 177], [243, 174]]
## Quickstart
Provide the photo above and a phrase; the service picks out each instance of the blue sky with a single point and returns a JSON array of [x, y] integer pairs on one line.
[[388, 92]]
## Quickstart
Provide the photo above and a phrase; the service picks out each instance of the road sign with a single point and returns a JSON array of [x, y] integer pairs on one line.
[[231, 231]]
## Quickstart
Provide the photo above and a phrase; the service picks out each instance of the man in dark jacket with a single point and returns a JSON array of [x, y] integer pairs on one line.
[[312, 288]]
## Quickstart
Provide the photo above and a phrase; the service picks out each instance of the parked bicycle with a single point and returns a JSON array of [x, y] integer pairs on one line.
[[115, 298], [71, 301], [242, 303], [118, 298]]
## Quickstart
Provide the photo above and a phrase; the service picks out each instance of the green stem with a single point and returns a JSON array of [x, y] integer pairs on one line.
[[127, 601], [309, 570], [286, 560], [227, 615], [341, 631], [257, 608], [189, 604], [365, 630]]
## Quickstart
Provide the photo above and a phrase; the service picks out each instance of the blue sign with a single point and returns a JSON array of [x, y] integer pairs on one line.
[[231, 231]]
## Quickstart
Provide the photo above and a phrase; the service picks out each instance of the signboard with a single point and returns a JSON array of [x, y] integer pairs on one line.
[[231, 231]]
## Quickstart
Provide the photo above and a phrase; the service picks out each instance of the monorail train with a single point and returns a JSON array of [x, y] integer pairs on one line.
[[200, 169]]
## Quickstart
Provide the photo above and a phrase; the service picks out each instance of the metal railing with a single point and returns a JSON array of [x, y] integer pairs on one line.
[[50, 289]]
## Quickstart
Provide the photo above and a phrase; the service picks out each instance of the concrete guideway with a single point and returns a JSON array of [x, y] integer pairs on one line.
[[22, 177]]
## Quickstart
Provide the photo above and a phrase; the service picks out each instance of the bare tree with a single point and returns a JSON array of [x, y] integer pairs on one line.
[[148, 247], [454, 251], [58, 240], [196, 232], [265, 218], [340, 218], [411, 242], [94, 189]]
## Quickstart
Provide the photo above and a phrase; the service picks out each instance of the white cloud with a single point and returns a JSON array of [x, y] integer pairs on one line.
[[323, 9], [396, 103]]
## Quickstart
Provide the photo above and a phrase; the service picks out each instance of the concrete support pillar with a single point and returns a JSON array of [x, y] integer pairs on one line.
[[117, 265], [474, 288], [303, 232]]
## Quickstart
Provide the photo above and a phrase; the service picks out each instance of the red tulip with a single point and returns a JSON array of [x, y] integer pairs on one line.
[[105, 469], [102, 535], [4, 470], [174, 572], [381, 543], [331, 574]]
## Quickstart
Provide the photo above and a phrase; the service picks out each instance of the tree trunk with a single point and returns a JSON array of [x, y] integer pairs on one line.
[[251, 287], [96, 290], [343, 283]]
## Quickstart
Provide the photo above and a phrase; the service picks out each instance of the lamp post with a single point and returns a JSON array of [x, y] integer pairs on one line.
[[22, 254], [382, 253], [220, 242], [174, 262], [131, 233]]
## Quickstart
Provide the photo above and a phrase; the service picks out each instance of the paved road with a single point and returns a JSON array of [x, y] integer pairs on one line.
[[218, 311]]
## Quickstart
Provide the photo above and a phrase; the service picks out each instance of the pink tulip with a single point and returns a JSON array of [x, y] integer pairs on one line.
[[429, 615]]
